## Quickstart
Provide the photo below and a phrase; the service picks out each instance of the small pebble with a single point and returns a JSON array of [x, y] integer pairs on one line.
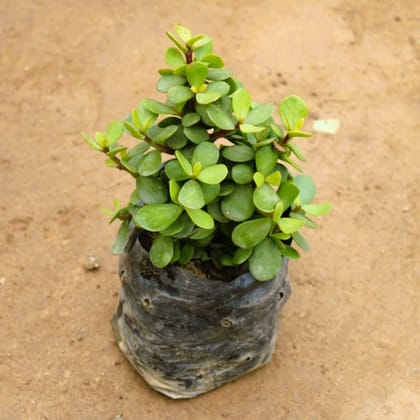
[[91, 263], [2, 281], [118, 417]]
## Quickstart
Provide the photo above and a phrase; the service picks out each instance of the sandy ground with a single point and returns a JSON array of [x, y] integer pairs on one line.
[[348, 345]]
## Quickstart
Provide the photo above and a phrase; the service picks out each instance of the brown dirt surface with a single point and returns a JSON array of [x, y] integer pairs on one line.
[[348, 345]]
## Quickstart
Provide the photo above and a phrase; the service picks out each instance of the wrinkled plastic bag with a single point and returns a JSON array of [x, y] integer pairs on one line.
[[187, 335]]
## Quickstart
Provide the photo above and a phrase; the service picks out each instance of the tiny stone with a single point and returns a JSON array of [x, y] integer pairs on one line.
[[302, 315], [91, 263], [2, 281], [404, 209], [118, 417]]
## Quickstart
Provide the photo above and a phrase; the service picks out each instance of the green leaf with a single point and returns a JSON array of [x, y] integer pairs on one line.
[[317, 209], [191, 196], [266, 159], [132, 130], [173, 170], [185, 164], [174, 39], [196, 134], [219, 118], [182, 227], [201, 218], [157, 217], [218, 74], [241, 102], [150, 163], [92, 143], [216, 212], [242, 173], [169, 81], [202, 46], [307, 188], [196, 73], [278, 212], [174, 190], [114, 132], [180, 94], [259, 179], [306, 220], [274, 178], [305, 134], [293, 112], [213, 60], [160, 135], [265, 198], [277, 130], [207, 97], [249, 128], [187, 252], [190, 119], [301, 241], [238, 206], [144, 116], [290, 252], [296, 151], [238, 153], [183, 32], [206, 153], [177, 140], [260, 114], [174, 58], [241, 255], [288, 192], [213, 174], [210, 192], [289, 225], [158, 107], [250, 233], [266, 261], [161, 251], [222, 87], [122, 238], [151, 190]]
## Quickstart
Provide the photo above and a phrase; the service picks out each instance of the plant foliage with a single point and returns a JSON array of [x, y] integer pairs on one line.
[[231, 202]]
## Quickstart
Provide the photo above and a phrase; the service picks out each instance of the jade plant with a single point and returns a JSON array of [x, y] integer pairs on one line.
[[217, 178]]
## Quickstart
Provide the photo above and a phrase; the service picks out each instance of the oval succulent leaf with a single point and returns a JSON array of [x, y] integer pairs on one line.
[[184, 163], [150, 163], [180, 94], [210, 191], [266, 159], [157, 217], [241, 102], [222, 87], [201, 218], [250, 233], [242, 173], [218, 74], [161, 251], [219, 117], [213, 60], [293, 112], [208, 97], [250, 129], [301, 241], [265, 198], [157, 107], [289, 225], [173, 170], [238, 153], [307, 188], [169, 81], [288, 192], [260, 114], [191, 196], [114, 132], [196, 134], [174, 58], [122, 238], [238, 205], [151, 190], [317, 209], [206, 153], [183, 32], [213, 174], [190, 119], [266, 261], [241, 255], [196, 73]]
